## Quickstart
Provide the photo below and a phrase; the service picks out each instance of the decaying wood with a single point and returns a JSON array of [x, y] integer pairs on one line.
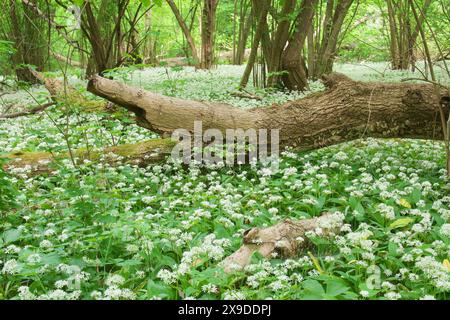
[[246, 95], [347, 110], [61, 91], [141, 154], [284, 239], [34, 110]]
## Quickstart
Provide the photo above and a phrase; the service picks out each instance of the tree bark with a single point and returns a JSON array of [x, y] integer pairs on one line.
[[262, 9], [245, 24], [292, 60], [284, 239], [347, 110], [208, 33], [323, 44], [25, 28]]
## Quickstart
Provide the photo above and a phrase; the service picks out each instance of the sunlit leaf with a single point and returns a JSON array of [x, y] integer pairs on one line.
[[400, 223]]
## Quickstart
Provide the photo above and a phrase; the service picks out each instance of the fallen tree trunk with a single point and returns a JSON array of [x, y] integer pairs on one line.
[[28, 112], [61, 91], [284, 239], [141, 154], [347, 110]]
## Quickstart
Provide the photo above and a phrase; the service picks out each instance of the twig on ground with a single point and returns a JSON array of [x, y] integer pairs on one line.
[[27, 113]]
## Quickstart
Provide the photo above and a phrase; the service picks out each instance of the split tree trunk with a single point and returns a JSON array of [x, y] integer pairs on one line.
[[347, 110], [325, 43], [245, 24], [28, 32]]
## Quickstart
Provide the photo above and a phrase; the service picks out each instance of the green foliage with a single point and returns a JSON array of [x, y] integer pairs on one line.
[[160, 232], [7, 190], [6, 52]]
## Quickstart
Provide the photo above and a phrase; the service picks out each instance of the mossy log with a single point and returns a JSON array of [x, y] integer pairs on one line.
[[142, 153], [61, 92]]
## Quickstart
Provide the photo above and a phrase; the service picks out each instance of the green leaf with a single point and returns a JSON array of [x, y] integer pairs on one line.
[[400, 223], [11, 235], [256, 257], [129, 263], [404, 203], [336, 288], [313, 290], [158, 289], [78, 2], [51, 259], [392, 248]]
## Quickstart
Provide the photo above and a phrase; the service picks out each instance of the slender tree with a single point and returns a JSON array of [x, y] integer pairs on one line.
[[208, 33], [404, 31], [29, 35]]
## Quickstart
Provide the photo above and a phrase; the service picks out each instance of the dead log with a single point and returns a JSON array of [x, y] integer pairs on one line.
[[141, 154], [34, 110], [61, 91], [284, 239], [246, 95], [347, 110]]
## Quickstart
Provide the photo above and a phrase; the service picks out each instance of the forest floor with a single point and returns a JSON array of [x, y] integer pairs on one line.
[[160, 232]]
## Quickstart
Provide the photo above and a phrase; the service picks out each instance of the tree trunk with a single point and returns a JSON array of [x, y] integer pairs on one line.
[[208, 33], [149, 54], [292, 60], [141, 154], [347, 110], [245, 24], [186, 32], [324, 42], [29, 34], [403, 38], [262, 12], [283, 41]]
